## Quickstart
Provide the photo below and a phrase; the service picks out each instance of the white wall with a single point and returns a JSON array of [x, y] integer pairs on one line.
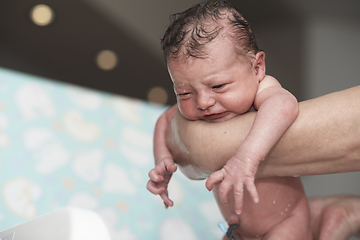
[[331, 63], [332, 57], [281, 41]]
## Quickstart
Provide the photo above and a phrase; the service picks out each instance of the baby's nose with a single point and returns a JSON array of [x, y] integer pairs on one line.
[[204, 101]]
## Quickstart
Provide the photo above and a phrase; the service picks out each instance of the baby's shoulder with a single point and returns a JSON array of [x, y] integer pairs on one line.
[[267, 82]]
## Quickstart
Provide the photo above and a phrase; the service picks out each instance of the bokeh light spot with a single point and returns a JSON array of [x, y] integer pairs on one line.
[[158, 95], [106, 60], [42, 15]]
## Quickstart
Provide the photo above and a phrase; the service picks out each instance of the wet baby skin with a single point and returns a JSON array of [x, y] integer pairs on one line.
[[282, 212]]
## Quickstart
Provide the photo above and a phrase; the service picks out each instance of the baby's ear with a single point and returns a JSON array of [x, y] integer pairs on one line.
[[259, 65]]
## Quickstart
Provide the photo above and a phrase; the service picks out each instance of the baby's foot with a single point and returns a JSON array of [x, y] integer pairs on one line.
[[335, 217]]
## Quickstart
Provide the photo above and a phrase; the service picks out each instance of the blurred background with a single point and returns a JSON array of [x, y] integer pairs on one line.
[[114, 45], [112, 48]]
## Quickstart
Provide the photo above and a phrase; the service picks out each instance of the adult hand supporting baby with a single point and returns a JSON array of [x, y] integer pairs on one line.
[[322, 140]]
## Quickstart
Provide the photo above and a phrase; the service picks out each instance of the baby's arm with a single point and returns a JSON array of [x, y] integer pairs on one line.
[[164, 163], [277, 109]]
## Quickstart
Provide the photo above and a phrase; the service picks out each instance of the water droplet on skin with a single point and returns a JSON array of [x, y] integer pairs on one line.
[[274, 201], [286, 209], [282, 213], [289, 205]]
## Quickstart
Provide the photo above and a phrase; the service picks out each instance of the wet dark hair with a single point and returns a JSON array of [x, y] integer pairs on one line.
[[191, 30]]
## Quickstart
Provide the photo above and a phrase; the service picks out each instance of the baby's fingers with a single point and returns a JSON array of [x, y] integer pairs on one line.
[[166, 199], [239, 197], [169, 165], [156, 174], [224, 190], [153, 188], [215, 177], [250, 186]]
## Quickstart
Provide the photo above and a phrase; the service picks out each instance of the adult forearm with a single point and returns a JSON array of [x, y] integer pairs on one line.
[[323, 139]]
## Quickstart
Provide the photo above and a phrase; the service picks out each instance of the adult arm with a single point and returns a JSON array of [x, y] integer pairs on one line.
[[324, 139]]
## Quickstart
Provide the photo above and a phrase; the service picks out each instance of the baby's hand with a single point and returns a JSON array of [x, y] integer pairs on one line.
[[159, 179], [235, 174]]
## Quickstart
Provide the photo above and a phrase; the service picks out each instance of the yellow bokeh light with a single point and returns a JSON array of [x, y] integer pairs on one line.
[[158, 95], [42, 15], [106, 60]]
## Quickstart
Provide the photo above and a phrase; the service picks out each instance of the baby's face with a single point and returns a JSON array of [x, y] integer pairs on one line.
[[216, 88]]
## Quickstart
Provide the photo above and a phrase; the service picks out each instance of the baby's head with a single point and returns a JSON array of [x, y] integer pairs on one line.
[[192, 30], [214, 62]]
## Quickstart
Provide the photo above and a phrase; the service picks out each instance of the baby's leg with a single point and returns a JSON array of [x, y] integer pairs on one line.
[[335, 217], [296, 227]]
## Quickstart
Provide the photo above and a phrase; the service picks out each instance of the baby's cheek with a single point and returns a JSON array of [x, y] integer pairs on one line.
[[188, 111]]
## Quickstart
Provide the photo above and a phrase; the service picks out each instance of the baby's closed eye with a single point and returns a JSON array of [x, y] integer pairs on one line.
[[184, 96], [218, 86]]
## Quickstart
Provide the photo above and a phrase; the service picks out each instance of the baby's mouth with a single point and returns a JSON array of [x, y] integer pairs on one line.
[[216, 116]]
